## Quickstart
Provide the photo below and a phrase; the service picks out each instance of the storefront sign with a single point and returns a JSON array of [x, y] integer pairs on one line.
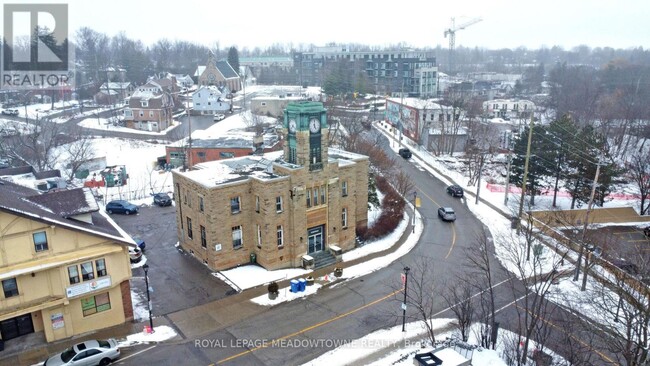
[[88, 286], [57, 321]]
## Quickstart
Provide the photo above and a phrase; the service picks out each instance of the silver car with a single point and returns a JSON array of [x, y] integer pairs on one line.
[[88, 353], [447, 214]]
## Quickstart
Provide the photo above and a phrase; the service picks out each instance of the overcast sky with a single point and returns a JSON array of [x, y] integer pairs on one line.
[[419, 23]]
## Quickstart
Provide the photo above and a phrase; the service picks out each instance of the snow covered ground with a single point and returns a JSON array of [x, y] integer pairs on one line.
[[106, 124]]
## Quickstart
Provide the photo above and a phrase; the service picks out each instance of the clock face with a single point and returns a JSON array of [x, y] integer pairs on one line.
[[292, 125], [314, 125]]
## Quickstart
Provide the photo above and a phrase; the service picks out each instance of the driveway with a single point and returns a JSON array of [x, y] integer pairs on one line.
[[178, 280]]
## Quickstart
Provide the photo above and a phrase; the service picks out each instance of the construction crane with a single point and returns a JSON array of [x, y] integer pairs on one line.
[[451, 32]]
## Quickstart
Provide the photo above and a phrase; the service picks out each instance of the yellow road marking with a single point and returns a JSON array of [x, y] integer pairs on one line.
[[453, 226], [275, 341], [627, 232], [639, 241]]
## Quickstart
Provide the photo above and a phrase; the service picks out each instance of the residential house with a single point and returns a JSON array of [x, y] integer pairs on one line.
[[210, 100], [113, 93], [218, 73], [150, 108], [182, 80], [64, 267], [297, 211]]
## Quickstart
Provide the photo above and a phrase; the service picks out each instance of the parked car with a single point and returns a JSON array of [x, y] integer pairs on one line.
[[218, 117], [140, 242], [447, 214], [162, 199], [135, 254], [88, 353], [646, 231], [121, 206], [405, 153], [10, 112], [455, 190]]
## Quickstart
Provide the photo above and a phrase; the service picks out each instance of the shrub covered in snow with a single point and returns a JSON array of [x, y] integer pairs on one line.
[[391, 215]]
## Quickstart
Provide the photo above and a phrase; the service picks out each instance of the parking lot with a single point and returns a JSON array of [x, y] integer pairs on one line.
[[625, 246], [178, 280]]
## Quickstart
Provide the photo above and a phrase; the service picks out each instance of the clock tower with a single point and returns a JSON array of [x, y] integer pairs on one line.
[[305, 126]]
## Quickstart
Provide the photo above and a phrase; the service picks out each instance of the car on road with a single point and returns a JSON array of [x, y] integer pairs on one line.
[[121, 206], [218, 117], [162, 199], [88, 353], [405, 153], [455, 190], [135, 254], [10, 112], [447, 214]]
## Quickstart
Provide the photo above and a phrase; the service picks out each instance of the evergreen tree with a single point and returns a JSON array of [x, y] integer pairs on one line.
[[540, 164], [562, 133], [233, 58]]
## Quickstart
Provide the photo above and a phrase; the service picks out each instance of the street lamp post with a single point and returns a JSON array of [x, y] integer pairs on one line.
[[415, 199], [406, 280], [145, 267]]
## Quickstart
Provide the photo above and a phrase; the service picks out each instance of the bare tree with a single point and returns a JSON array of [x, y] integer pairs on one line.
[[36, 144], [458, 297], [79, 151], [254, 122], [402, 183], [639, 170]]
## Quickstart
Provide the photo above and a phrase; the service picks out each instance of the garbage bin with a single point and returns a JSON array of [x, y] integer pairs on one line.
[[514, 222], [295, 286], [2, 345], [302, 283], [253, 258]]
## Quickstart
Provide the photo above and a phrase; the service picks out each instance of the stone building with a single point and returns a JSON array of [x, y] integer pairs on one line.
[[282, 209]]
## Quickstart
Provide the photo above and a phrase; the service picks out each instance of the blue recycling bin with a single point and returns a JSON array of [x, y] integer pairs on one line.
[[295, 286], [302, 283]]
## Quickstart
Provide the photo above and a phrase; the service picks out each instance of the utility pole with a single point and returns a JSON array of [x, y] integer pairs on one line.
[[478, 183], [406, 281], [189, 122], [523, 185], [584, 230], [505, 199]]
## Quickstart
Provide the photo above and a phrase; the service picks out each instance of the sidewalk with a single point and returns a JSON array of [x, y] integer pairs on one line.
[[189, 323]]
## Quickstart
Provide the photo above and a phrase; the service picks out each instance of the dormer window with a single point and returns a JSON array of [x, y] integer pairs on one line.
[[145, 103]]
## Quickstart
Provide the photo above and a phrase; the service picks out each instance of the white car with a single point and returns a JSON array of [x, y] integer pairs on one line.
[[88, 353], [218, 117], [10, 112]]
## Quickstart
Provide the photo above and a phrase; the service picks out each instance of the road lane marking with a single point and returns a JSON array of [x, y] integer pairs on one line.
[[135, 354], [453, 225], [304, 330]]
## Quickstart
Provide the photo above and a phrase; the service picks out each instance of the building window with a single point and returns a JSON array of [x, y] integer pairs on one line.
[[201, 154], [151, 114], [259, 236], [280, 234], [257, 204], [95, 304], [204, 242], [73, 274], [40, 241], [10, 287], [235, 205], [278, 204], [344, 188], [87, 272], [189, 228], [226, 155], [344, 217], [100, 266], [141, 113], [322, 195], [144, 103], [201, 204], [237, 241], [315, 196], [309, 197]]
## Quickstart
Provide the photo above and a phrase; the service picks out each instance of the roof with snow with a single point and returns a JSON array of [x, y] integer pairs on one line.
[[236, 139], [60, 208], [428, 104]]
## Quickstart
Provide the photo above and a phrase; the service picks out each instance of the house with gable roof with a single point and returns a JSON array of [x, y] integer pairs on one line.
[[151, 106], [218, 73], [64, 267]]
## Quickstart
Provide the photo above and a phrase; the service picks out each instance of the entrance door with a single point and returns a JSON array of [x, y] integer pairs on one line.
[[16, 327], [315, 239]]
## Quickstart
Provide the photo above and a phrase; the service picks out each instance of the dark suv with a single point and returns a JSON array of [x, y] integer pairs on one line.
[[405, 153], [162, 199], [455, 190], [121, 206]]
